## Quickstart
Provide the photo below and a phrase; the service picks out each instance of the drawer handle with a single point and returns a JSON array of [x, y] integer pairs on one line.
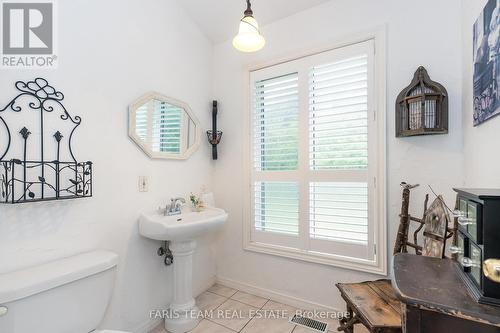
[[491, 269], [456, 250], [464, 221], [468, 262], [3, 310]]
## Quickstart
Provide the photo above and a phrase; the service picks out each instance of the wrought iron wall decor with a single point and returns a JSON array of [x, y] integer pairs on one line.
[[422, 107], [214, 136], [23, 179]]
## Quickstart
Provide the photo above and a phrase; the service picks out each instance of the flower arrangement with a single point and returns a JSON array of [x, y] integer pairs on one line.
[[197, 203]]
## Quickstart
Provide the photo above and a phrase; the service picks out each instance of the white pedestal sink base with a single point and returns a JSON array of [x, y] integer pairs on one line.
[[183, 311], [181, 230], [184, 323]]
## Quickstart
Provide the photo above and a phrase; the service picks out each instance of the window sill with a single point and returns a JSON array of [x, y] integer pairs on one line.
[[377, 266]]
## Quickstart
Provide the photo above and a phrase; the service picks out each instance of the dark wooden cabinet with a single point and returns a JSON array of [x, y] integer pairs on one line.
[[435, 299], [478, 239]]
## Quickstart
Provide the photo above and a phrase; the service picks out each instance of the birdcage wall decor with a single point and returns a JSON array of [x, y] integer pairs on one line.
[[422, 107]]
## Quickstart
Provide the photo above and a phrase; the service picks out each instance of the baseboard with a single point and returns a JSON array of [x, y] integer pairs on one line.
[[149, 325], [297, 302], [210, 282]]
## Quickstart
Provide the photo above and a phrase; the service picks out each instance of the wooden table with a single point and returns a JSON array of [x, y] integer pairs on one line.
[[372, 304], [436, 300]]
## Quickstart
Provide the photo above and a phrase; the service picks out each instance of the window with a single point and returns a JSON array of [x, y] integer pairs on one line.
[[317, 159]]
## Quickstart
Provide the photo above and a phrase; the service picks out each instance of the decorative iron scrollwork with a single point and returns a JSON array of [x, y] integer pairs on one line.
[[24, 179]]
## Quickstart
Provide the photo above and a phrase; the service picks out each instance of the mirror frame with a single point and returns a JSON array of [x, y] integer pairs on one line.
[[147, 150]]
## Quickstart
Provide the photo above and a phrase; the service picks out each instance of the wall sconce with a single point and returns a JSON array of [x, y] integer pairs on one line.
[[214, 136]]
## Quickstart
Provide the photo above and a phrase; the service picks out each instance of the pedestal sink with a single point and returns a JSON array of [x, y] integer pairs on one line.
[[181, 230]]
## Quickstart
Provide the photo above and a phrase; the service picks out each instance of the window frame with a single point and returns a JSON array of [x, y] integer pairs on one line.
[[279, 245]]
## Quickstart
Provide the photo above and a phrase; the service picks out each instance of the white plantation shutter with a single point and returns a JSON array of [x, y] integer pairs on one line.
[[276, 123], [339, 114], [338, 145], [275, 141], [339, 212], [277, 207], [313, 155]]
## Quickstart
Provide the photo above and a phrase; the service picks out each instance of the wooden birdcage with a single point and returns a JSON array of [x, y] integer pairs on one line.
[[422, 107]]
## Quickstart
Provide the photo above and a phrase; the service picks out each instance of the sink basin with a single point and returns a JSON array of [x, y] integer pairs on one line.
[[181, 230], [181, 227]]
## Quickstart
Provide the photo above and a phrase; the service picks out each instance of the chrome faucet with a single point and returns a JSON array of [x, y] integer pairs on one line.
[[174, 208]]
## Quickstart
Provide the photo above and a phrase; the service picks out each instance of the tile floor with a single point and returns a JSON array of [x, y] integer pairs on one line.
[[221, 301]]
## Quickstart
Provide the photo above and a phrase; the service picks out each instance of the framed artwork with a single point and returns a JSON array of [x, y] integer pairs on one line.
[[486, 63]]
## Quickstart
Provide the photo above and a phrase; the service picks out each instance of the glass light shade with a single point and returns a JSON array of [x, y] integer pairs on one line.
[[249, 38]]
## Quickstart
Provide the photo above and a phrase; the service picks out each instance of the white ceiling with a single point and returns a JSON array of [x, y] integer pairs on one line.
[[219, 18]]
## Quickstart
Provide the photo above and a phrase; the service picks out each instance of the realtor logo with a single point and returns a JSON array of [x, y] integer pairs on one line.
[[28, 34]]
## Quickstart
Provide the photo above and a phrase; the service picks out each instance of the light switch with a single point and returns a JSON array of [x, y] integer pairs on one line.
[[143, 184]]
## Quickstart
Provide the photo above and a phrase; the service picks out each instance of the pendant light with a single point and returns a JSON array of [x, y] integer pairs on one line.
[[249, 38]]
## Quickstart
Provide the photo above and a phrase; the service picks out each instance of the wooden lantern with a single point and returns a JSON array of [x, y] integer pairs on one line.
[[422, 107]]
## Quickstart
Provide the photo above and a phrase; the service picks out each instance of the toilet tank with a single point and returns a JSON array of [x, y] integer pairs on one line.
[[69, 295]]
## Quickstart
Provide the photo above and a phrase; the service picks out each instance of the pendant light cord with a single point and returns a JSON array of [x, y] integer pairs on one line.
[[248, 11]]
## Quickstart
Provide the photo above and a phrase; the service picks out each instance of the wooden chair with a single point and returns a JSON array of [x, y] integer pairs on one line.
[[373, 304]]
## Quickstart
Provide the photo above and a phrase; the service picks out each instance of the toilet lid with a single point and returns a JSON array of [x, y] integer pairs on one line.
[[109, 331]]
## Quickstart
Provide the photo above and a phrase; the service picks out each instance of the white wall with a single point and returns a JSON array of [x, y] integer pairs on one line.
[[153, 45], [414, 37], [481, 157], [110, 53]]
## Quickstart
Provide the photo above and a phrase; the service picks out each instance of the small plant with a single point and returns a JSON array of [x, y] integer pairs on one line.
[[197, 203]]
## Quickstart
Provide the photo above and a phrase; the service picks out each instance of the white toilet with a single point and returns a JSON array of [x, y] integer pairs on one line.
[[64, 296]]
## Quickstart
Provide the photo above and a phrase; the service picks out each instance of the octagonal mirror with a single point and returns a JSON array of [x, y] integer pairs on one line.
[[164, 127]]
